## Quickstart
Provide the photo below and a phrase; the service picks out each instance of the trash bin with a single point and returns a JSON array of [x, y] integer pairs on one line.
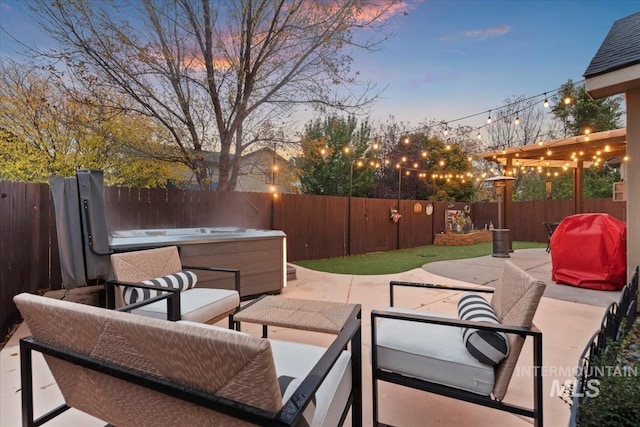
[[500, 242]]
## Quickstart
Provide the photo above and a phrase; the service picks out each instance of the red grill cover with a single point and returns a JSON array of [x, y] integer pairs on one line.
[[590, 251]]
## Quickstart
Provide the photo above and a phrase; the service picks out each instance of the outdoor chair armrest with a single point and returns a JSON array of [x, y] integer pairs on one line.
[[293, 408], [532, 331], [235, 271], [172, 296], [394, 283]]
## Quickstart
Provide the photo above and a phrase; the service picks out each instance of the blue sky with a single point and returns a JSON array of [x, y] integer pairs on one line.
[[450, 59]]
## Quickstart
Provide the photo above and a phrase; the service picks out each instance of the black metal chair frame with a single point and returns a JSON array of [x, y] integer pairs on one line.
[[616, 322], [424, 385], [289, 415], [173, 312], [550, 227]]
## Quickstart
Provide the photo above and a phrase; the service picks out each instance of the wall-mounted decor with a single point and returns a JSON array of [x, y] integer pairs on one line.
[[429, 209], [394, 215], [417, 208]]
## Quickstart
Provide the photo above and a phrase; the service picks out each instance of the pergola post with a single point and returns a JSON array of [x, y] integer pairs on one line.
[[578, 182], [508, 205]]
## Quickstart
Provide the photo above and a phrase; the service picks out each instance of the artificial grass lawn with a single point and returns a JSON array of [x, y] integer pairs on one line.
[[390, 262]]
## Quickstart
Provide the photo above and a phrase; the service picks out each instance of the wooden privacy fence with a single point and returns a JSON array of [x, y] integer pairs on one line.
[[316, 226]]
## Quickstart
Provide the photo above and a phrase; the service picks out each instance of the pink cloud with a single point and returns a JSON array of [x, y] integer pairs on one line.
[[482, 34]]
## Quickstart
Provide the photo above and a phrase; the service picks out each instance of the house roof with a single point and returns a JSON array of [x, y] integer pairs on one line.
[[616, 66]]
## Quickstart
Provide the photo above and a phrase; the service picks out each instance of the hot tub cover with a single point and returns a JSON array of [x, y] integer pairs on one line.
[[590, 251]]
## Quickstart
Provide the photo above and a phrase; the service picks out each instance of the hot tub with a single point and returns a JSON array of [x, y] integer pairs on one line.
[[260, 255]]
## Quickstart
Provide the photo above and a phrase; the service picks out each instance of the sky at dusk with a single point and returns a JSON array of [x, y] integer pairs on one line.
[[450, 59]]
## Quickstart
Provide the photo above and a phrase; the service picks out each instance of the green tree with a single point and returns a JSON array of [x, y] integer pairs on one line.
[[578, 112], [209, 72], [422, 166], [531, 186], [334, 150], [47, 130]]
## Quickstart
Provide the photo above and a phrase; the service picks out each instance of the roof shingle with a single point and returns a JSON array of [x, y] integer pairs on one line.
[[620, 49]]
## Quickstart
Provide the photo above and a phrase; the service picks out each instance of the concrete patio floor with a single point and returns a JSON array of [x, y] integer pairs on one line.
[[567, 316]]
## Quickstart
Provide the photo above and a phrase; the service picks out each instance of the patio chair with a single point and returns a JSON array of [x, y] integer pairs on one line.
[[139, 371], [147, 274], [428, 352], [550, 227]]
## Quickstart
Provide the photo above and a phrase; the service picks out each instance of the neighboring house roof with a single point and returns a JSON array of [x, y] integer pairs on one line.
[[616, 66]]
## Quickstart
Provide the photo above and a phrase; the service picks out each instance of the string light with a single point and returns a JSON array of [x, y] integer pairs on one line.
[[489, 118], [567, 100], [517, 120]]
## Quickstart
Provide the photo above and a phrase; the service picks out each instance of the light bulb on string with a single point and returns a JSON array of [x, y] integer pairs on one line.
[[489, 118], [517, 120], [546, 101]]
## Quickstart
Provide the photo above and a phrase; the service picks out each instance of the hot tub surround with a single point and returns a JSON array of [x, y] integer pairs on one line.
[[260, 255]]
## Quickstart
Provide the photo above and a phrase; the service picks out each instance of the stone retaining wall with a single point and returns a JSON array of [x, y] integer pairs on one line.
[[453, 239]]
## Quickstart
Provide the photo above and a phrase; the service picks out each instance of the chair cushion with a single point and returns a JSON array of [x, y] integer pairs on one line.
[[488, 347], [181, 280], [296, 360], [196, 304], [293, 363], [431, 352]]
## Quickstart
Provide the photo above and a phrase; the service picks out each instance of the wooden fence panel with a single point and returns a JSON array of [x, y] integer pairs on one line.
[[295, 226], [485, 213], [381, 233], [328, 221], [415, 226], [371, 227], [359, 218], [316, 227], [615, 209], [24, 245]]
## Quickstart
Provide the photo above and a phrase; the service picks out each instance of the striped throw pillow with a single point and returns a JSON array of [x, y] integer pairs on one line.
[[488, 347], [182, 280]]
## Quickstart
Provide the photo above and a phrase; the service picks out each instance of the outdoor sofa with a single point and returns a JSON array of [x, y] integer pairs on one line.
[[131, 370]]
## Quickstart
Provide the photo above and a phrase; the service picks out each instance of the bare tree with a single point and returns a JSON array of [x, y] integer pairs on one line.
[[520, 121], [204, 69]]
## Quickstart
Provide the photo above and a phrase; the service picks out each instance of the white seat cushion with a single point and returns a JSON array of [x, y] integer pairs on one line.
[[431, 352], [296, 360], [196, 304]]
